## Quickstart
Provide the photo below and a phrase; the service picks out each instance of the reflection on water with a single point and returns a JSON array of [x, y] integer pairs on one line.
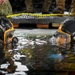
[[11, 63], [41, 56], [34, 55]]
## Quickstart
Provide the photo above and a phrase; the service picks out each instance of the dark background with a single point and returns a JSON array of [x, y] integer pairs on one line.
[[19, 5]]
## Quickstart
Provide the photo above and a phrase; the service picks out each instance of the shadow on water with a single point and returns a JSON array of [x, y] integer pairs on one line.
[[33, 55]]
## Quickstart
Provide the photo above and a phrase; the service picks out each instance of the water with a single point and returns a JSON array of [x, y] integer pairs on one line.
[[34, 52], [25, 42]]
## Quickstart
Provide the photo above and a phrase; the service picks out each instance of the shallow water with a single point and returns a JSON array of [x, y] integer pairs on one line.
[[34, 52]]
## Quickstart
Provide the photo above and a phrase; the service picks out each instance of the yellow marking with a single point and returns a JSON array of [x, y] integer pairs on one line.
[[38, 15], [11, 29]]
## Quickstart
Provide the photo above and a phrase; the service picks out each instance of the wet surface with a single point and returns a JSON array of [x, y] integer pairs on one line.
[[34, 53]]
